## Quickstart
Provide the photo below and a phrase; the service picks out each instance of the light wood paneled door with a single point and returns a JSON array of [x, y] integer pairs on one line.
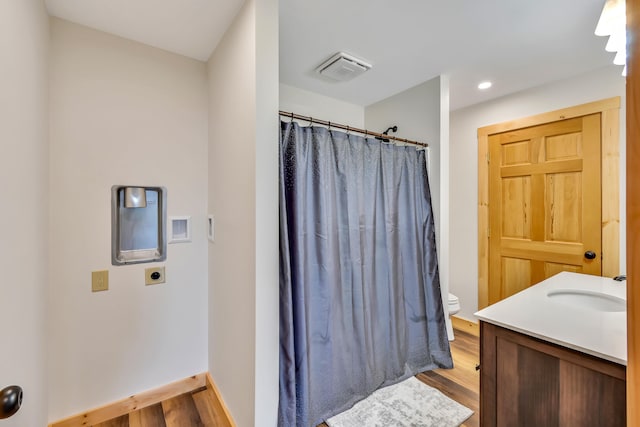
[[544, 203]]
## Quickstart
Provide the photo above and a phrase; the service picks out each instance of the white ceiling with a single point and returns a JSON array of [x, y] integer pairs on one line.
[[191, 28], [515, 43]]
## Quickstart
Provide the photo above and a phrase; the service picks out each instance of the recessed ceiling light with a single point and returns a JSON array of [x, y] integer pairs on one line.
[[484, 85]]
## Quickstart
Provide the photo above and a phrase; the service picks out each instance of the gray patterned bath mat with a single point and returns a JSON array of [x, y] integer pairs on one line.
[[410, 403]]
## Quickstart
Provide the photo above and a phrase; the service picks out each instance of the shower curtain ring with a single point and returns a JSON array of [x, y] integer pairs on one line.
[[292, 116]]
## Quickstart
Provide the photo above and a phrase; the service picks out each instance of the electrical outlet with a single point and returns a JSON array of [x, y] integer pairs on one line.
[[153, 275], [100, 280]]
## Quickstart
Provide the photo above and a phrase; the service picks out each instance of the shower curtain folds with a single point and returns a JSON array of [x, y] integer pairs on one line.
[[360, 303]]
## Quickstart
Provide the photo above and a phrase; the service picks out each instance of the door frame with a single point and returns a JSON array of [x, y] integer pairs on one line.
[[633, 212], [610, 154]]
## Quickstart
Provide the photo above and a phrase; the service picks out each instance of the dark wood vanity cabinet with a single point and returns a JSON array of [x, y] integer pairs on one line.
[[530, 382]]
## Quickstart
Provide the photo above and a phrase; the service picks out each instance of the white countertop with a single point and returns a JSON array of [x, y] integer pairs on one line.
[[532, 312]]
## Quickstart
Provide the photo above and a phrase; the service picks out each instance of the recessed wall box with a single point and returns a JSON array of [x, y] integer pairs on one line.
[[180, 229], [138, 224]]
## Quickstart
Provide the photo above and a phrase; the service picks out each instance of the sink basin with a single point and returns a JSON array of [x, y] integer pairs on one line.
[[588, 299]]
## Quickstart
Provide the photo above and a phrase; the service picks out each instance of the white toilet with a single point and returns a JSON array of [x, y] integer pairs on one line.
[[453, 307], [454, 304]]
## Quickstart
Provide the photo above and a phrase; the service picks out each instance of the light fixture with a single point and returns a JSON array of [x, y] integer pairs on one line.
[[485, 85], [612, 23]]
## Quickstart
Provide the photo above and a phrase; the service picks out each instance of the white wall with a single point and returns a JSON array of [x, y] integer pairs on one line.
[[122, 113], [416, 112], [243, 197], [24, 43], [320, 107], [444, 250], [593, 86], [267, 215], [422, 114]]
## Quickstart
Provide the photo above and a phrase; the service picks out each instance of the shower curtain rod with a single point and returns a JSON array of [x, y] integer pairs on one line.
[[365, 132]]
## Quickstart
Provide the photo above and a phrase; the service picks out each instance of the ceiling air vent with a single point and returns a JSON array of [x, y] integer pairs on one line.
[[343, 67]]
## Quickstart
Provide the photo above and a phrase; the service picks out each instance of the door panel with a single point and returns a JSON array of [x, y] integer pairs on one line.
[[515, 275], [516, 198], [564, 207], [564, 147], [544, 203], [552, 268], [516, 153]]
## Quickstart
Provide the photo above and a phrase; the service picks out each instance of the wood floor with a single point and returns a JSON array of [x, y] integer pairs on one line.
[[193, 409], [462, 384]]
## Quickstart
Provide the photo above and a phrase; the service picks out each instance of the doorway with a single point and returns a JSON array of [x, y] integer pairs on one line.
[[548, 195]]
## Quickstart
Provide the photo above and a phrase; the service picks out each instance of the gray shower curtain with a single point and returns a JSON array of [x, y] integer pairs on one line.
[[360, 303]]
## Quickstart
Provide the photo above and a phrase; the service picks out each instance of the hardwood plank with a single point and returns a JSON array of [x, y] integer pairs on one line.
[[220, 408], [151, 416], [451, 389], [122, 421], [210, 414], [198, 406], [462, 383], [465, 325], [132, 403], [465, 376], [181, 411]]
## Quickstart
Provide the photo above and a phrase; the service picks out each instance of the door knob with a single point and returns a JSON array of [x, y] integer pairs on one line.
[[589, 255], [10, 400]]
